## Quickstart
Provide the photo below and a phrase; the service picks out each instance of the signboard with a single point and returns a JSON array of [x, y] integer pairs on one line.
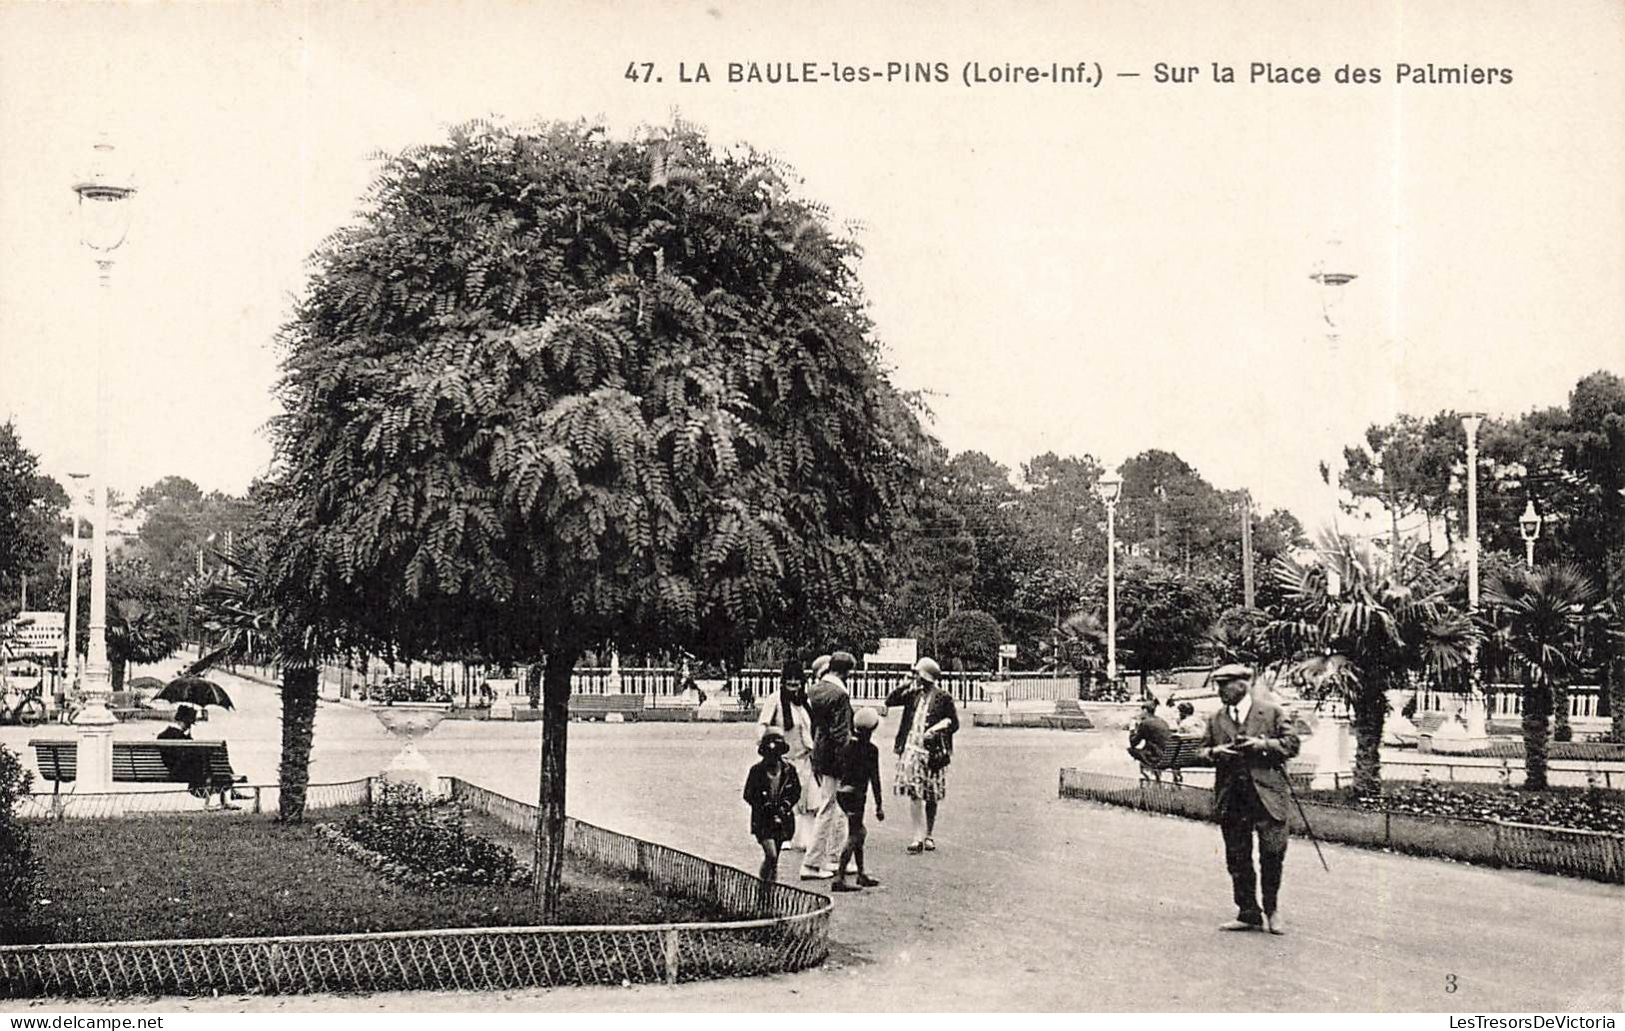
[[894, 651], [43, 634], [1007, 651]]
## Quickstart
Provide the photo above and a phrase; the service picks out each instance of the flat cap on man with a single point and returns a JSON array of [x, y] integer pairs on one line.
[[1234, 671]]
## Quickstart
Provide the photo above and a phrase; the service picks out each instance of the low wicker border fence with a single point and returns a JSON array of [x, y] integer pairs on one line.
[[773, 928], [1593, 855]]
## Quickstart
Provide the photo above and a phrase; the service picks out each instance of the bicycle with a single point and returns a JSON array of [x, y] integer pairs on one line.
[[27, 709]]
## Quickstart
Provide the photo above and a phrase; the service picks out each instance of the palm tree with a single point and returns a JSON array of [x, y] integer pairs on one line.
[[1356, 635], [1239, 635], [240, 609], [1535, 622], [1077, 642], [136, 633]]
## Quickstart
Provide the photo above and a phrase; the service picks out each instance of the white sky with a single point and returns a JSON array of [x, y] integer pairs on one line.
[[1070, 269]]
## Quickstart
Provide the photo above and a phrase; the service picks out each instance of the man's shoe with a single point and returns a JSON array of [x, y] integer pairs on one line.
[[866, 881], [810, 874], [930, 844], [843, 886], [1274, 924], [1240, 925], [915, 848]]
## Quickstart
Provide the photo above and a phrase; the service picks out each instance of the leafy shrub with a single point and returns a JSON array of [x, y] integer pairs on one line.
[[19, 867], [971, 637], [428, 840]]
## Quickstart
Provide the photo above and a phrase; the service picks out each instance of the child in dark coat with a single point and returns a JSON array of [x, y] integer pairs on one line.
[[860, 773], [772, 788]]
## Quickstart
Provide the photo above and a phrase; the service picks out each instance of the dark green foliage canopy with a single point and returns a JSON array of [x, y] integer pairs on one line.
[[31, 519], [554, 389], [971, 637]]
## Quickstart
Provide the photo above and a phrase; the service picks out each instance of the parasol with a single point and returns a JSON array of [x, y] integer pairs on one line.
[[195, 691]]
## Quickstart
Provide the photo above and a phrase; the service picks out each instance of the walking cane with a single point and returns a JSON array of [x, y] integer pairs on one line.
[[1306, 825]]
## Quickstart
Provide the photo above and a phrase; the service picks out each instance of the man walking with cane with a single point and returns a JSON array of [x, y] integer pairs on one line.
[[1249, 741]]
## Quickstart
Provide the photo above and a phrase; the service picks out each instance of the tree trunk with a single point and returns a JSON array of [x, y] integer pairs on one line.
[[1560, 713], [1370, 706], [299, 694], [549, 858], [120, 667], [1535, 699]]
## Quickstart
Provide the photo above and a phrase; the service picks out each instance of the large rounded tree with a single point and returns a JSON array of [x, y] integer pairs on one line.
[[555, 389]]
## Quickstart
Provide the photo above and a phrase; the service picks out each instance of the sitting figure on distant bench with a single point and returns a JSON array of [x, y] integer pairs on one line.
[[1150, 739], [193, 769]]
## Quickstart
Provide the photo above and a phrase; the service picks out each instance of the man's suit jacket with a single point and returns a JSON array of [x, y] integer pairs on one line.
[[1261, 766], [1153, 733], [831, 710]]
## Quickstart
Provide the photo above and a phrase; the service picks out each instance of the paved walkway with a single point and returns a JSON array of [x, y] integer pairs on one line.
[[1031, 903]]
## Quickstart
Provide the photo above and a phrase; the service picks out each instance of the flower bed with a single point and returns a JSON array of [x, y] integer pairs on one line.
[[423, 841], [1578, 852], [1575, 809]]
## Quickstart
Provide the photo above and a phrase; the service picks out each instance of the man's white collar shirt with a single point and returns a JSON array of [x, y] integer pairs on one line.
[[1241, 709]]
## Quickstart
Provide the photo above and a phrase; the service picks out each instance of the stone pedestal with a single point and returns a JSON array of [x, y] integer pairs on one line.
[[95, 755], [713, 705], [1464, 730], [502, 698], [1330, 748], [408, 721], [995, 711]]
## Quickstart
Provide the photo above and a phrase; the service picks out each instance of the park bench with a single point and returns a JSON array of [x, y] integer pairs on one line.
[[140, 762], [1183, 750], [599, 706]]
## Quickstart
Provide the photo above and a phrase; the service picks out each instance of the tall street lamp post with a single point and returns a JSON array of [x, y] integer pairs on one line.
[[104, 216], [1529, 526], [72, 663], [1110, 487], [1476, 729]]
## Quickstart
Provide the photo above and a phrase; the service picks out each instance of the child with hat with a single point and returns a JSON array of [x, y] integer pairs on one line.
[[772, 789], [859, 775]]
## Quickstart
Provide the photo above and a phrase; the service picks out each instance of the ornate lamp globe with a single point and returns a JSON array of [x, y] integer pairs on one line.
[[104, 217], [1110, 487], [1529, 522]]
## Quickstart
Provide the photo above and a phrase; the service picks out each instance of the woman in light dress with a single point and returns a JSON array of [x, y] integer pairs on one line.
[[925, 747], [786, 712]]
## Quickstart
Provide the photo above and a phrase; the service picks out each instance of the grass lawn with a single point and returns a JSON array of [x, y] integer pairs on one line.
[[204, 875], [1576, 808]]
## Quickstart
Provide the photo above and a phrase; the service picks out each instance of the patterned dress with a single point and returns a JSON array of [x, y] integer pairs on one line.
[[915, 779]]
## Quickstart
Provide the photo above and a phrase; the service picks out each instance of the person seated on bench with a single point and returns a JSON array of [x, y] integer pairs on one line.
[[1190, 724], [193, 768], [1151, 738]]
